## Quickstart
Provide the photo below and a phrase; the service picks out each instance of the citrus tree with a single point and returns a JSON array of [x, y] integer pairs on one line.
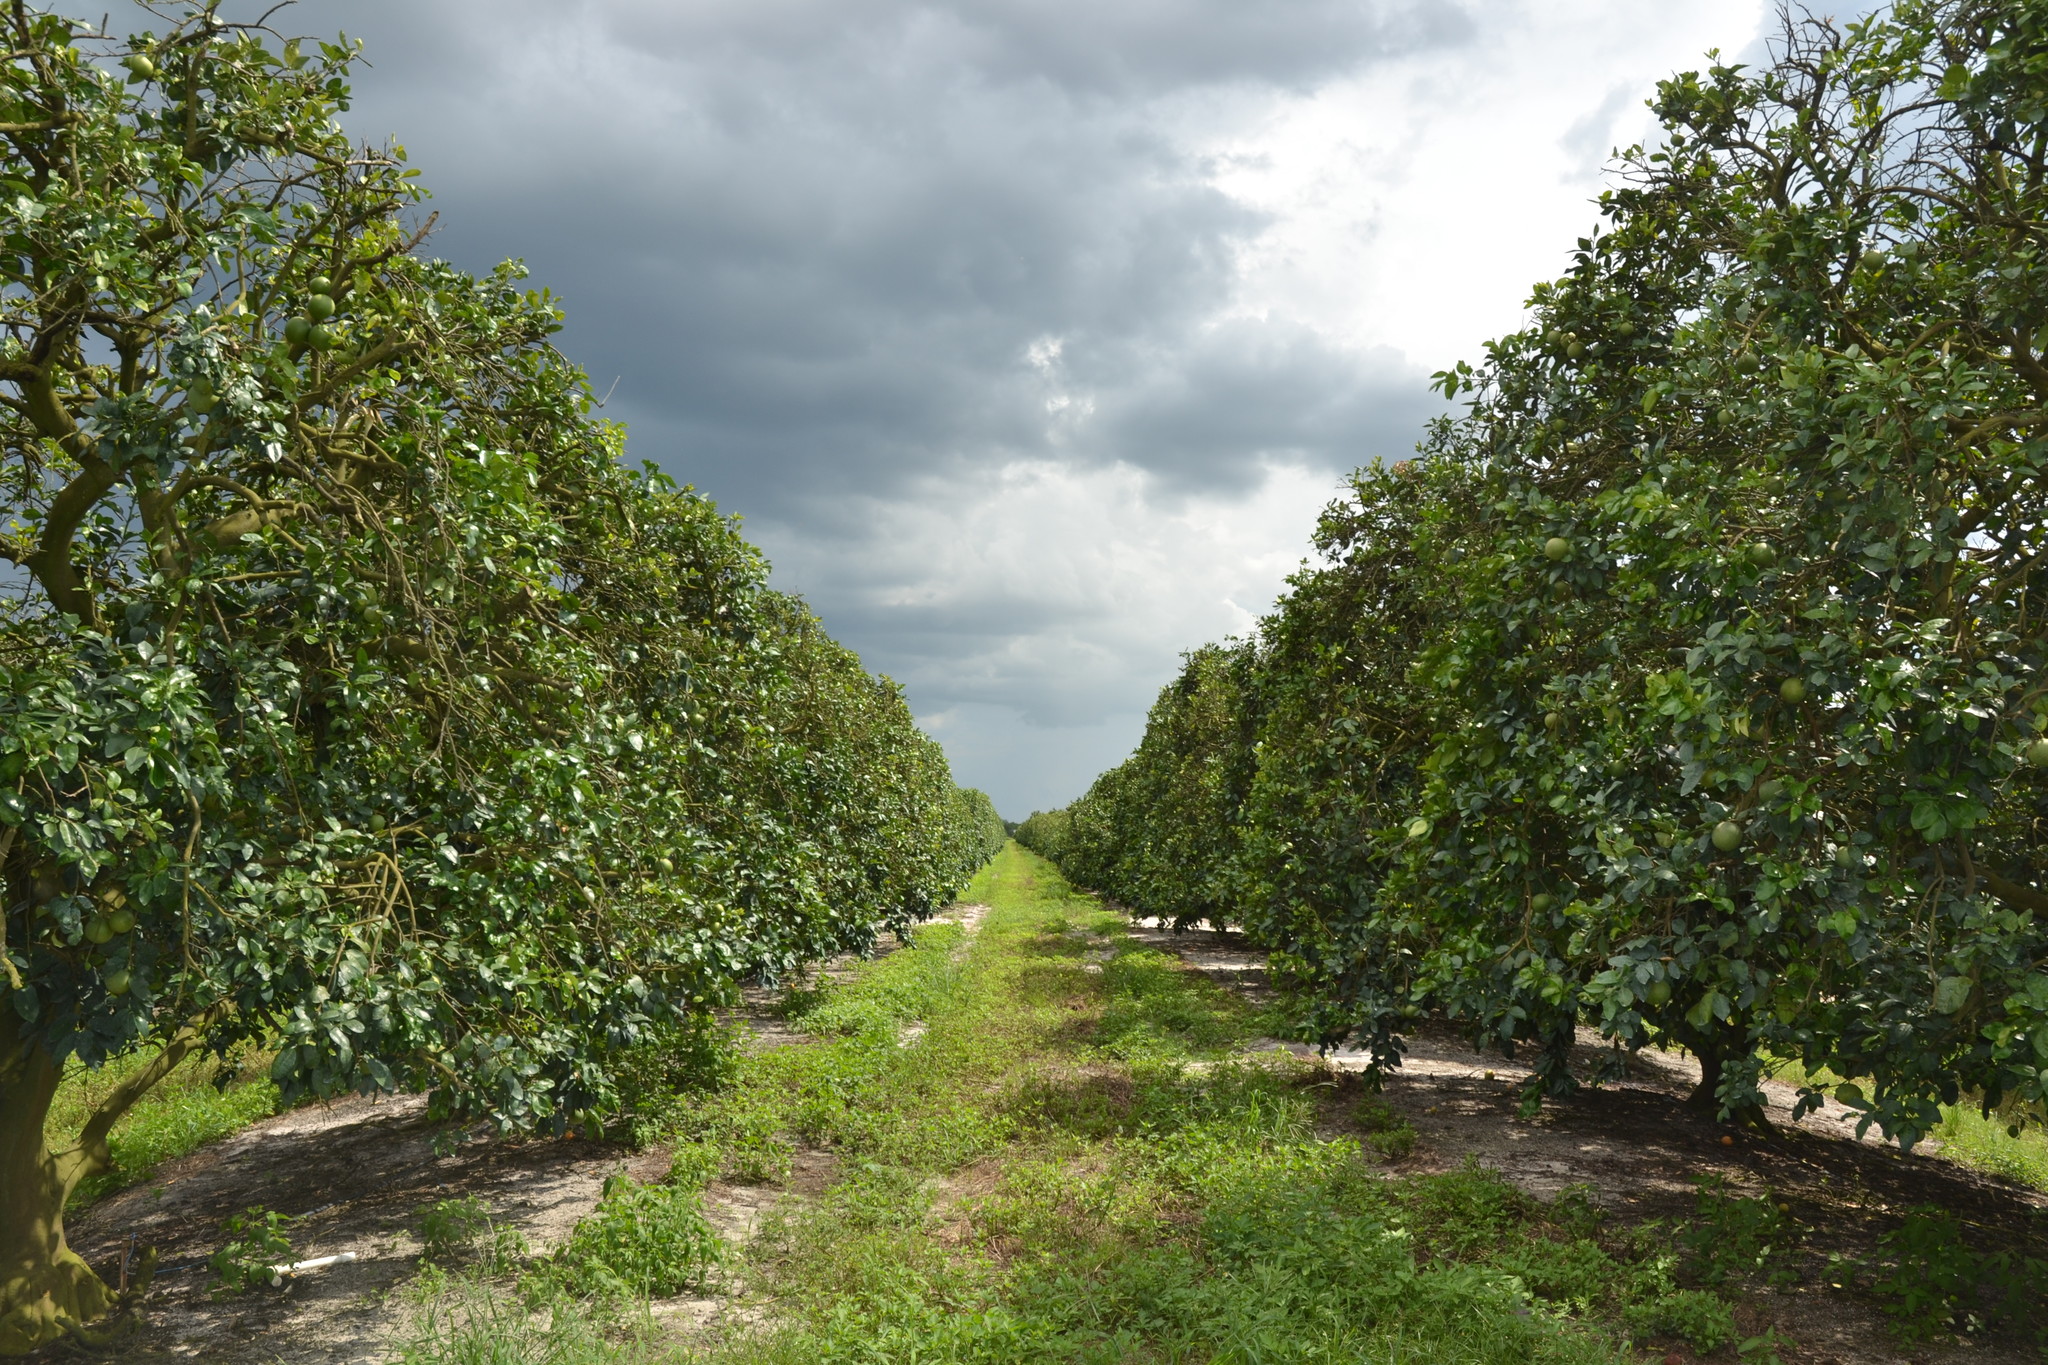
[[1155, 833], [1746, 634], [357, 700], [983, 832], [1044, 832]]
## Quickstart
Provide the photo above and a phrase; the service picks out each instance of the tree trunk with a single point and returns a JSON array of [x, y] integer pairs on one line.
[[45, 1288], [1707, 1094]]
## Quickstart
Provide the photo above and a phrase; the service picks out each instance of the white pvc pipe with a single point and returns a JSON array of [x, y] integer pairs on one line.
[[317, 1263]]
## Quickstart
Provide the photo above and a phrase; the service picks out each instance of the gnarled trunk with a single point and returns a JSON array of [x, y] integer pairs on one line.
[[45, 1288]]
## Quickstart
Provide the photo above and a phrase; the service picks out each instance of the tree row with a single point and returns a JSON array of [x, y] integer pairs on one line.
[[1688, 685], [355, 698]]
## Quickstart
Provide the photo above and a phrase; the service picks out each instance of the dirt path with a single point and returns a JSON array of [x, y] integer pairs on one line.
[[1641, 1151], [356, 1174]]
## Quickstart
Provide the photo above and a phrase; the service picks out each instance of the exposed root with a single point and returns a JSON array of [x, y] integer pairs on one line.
[[64, 1300]]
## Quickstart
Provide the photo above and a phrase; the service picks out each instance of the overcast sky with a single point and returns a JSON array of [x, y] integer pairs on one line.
[[1028, 336]]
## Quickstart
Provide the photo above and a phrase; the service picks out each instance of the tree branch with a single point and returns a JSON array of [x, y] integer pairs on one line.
[[2012, 893], [51, 563], [89, 1155]]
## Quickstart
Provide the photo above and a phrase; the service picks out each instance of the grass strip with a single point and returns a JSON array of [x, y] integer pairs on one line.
[[1075, 1161]]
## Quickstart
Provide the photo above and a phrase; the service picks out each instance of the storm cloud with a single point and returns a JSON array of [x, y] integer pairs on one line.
[[1027, 335]]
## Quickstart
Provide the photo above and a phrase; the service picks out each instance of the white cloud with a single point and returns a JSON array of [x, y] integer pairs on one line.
[[1414, 204], [1033, 611]]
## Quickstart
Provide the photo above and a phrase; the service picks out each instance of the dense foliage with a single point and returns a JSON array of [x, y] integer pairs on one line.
[[1044, 832], [981, 831], [1159, 831], [1690, 683], [353, 696]]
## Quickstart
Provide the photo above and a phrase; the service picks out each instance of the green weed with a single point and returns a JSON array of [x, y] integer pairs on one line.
[[1129, 1186], [1158, 1010], [1931, 1279], [1694, 1316], [1731, 1234], [463, 1322], [1387, 1132], [1968, 1137], [644, 1241], [451, 1227], [257, 1244], [461, 1230]]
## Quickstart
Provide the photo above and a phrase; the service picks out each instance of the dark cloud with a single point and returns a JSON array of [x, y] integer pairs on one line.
[[841, 255], [816, 242]]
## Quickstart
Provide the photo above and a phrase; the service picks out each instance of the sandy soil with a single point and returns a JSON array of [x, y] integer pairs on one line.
[[1641, 1149], [356, 1174]]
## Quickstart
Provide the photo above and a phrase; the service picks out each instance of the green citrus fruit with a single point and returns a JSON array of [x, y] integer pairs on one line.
[[118, 981], [298, 331], [1624, 328], [1951, 993], [1771, 791], [1418, 828], [140, 65], [1575, 350], [321, 338], [319, 307], [98, 931], [1660, 993], [1848, 1092], [320, 284], [1557, 547], [1792, 690], [1542, 901], [1554, 721], [664, 864], [1727, 836], [1873, 260], [122, 920], [2037, 753], [1762, 555]]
